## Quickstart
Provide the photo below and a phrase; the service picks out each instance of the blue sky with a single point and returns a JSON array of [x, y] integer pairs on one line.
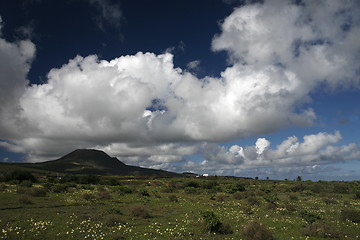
[[245, 88]]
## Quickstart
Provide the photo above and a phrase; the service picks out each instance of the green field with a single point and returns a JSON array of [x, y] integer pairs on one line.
[[179, 208]]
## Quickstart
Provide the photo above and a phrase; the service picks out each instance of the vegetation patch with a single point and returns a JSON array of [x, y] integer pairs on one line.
[[214, 225], [257, 231], [139, 211], [195, 208]]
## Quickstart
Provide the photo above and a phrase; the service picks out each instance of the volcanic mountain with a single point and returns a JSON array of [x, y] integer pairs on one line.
[[90, 161]]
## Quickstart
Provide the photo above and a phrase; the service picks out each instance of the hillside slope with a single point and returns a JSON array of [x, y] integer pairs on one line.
[[91, 161]]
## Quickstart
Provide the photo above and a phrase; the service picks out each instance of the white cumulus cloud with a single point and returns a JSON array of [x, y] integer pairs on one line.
[[144, 109]]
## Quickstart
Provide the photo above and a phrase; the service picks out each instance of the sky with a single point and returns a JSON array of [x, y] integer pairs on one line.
[[224, 87]]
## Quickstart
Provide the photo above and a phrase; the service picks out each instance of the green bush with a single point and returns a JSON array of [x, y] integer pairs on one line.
[[357, 195], [271, 198], [351, 215], [323, 230], [139, 211], [252, 201], [340, 187], [309, 217], [3, 187], [170, 187], [297, 188], [238, 195], [26, 183], [89, 197], [211, 221], [114, 210], [173, 198], [125, 189], [89, 179], [193, 184], [118, 236], [293, 197], [21, 190], [271, 206], [191, 190], [329, 200], [109, 182], [112, 220], [59, 188], [37, 192], [209, 184], [103, 195], [220, 198], [257, 231], [317, 187], [233, 188], [144, 193], [214, 225], [19, 175], [25, 200], [290, 207], [247, 209]]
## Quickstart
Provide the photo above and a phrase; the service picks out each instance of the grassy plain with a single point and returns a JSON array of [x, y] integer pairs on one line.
[[179, 208]]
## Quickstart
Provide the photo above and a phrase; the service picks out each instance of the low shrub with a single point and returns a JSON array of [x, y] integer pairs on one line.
[[290, 207], [118, 236], [357, 195], [112, 220], [26, 183], [48, 186], [351, 215], [144, 193], [293, 197], [21, 190], [271, 206], [209, 184], [323, 230], [3, 187], [193, 184], [173, 198], [266, 189], [340, 187], [214, 225], [239, 195], [330, 201], [37, 192], [309, 217], [252, 201], [89, 197], [271, 198], [257, 231], [84, 186], [225, 228], [20, 175], [248, 209], [124, 189], [248, 194], [25, 200], [114, 210], [190, 190], [139, 211], [220, 198], [233, 188], [109, 182], [104, 195], [59, 188], [318, 187], [297, 188], [170, 187]]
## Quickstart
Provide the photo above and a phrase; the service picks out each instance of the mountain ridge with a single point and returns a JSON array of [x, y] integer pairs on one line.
[[94, 162]]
